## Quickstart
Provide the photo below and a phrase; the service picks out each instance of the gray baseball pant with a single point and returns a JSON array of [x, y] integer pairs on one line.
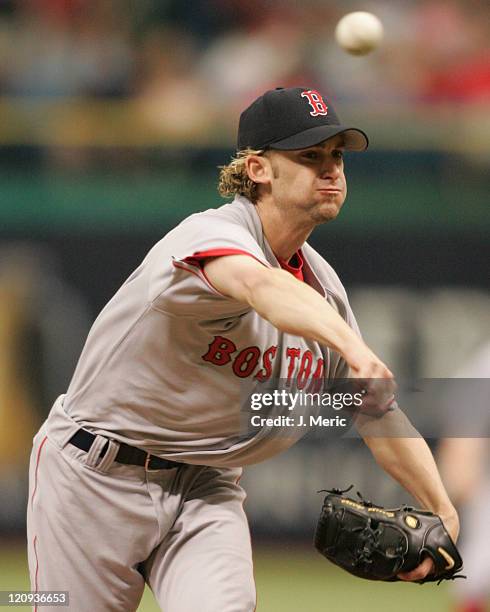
[[99, 530]]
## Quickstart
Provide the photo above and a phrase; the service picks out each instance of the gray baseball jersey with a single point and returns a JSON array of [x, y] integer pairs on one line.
[[165, 367], [169, 357]]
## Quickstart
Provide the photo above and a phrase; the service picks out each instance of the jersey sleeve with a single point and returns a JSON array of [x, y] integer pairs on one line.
[[178, 283]]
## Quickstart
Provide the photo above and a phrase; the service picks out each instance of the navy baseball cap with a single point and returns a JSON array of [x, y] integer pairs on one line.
[[294, 118]]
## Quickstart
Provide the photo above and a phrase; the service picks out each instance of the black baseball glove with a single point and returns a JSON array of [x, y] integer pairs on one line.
[[377, 543]]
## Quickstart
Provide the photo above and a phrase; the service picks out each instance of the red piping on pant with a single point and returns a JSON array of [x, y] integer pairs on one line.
[[37, 565], [37, 465], [32, 502]]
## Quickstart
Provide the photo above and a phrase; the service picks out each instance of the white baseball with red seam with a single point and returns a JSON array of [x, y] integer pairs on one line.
[[359, 33]]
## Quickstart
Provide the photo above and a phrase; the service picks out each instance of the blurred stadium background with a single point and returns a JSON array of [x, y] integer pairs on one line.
[[114, 116]]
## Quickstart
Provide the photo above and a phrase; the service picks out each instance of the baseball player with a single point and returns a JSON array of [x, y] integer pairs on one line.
[[135, 474]]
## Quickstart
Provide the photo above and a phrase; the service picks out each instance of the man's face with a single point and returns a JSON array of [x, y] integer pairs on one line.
[[310, 183]]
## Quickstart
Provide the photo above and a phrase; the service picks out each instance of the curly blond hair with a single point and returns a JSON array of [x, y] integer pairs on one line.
[[233, 178]]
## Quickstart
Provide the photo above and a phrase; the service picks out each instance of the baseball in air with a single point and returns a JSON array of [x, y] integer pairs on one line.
[[359, 33]]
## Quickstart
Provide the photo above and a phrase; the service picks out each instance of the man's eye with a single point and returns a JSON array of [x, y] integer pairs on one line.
[[310, 155], [338, 154]]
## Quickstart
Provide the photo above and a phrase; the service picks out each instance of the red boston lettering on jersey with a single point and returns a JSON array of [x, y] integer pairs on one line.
[[317, 378], [304, 369], [292, 354], [246, 361], [267, 359], [316, 102], [220, 351]]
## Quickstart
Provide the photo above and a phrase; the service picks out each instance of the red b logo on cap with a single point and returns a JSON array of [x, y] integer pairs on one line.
[[316, 101]]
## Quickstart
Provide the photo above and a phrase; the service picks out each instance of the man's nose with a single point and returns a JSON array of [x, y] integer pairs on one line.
[[330, 169]]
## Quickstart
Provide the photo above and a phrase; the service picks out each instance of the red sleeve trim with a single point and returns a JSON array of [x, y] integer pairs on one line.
[[196, 260], [199, 256], [181, 267]]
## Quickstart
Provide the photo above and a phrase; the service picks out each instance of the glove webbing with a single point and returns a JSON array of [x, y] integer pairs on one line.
[[369, 539]]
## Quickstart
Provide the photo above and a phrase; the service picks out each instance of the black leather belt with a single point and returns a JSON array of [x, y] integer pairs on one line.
[[130, 455]]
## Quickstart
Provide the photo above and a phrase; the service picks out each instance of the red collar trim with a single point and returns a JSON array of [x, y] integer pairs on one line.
[[296, 268]]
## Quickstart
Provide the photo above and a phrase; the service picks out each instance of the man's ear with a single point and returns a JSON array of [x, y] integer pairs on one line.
[[259, 169]]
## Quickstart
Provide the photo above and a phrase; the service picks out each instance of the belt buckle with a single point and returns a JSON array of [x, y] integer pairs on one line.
[[147, 464]]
